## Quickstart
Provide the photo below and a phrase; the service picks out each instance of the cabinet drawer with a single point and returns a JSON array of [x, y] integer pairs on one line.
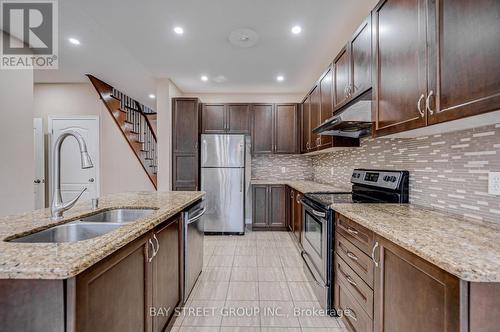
[[360, 236], [357, 260], [355, 317], [356, 286]]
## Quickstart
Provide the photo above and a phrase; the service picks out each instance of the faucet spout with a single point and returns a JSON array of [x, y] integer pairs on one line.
[[58, 207]]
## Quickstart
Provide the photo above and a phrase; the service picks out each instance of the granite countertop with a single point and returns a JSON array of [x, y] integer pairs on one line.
[[304, 186], [66, 260], [467, 249]]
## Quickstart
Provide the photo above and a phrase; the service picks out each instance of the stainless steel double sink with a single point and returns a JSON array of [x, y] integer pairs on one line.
[[86, 228]]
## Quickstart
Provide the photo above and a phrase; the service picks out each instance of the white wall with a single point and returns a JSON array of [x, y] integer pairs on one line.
[[120, 170], [17, 167], [249, 97]]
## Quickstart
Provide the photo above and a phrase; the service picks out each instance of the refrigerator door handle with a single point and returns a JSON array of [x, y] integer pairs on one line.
[[242, 181]]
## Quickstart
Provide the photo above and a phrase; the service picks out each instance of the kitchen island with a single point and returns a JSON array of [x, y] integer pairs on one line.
[[106, 283]]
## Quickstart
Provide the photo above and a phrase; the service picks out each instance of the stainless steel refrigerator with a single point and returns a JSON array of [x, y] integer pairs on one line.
[[223, 180]]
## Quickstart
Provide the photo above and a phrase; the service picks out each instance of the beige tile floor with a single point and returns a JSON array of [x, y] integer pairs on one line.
[[252, 283]]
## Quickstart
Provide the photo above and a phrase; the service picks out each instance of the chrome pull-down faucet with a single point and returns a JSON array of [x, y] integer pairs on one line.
[[58, 207]]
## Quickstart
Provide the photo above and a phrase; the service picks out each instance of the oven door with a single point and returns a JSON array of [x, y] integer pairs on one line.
[[315, 251]]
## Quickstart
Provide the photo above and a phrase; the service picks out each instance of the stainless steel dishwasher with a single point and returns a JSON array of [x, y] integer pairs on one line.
[[192, 247]]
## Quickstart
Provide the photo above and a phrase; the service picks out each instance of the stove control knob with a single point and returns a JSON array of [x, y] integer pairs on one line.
[[386, 178], [393, 179]]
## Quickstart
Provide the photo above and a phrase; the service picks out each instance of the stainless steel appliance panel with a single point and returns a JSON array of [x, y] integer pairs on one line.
[[193, 237], [222, 151], [224, 189]]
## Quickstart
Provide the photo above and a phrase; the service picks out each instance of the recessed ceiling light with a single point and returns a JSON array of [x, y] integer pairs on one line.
[[74, 41], [296, 30], [152, 96], [280, 78], [204, 78], [179, 30]]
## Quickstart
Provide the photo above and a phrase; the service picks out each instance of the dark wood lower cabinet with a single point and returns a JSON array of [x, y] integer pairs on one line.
[[395, 290], [269, 207], [112, 295], [411, 294], [166, 291]]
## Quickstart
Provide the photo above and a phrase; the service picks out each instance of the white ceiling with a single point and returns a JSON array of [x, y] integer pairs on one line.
[[129, 43]]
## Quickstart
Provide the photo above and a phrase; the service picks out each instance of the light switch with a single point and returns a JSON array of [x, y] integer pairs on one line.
[[494, 183], [332, 171], [283, 169]]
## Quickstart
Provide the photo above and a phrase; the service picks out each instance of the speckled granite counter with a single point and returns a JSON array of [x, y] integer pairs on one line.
[[65, 260], [467, 249], [302, 185]]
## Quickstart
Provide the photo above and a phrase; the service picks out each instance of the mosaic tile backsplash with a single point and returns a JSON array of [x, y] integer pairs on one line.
[[270, 167], [447, 172]]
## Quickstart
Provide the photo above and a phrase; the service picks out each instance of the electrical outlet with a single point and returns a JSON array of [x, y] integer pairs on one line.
[[332, 171], [283, 169], [494, 183]]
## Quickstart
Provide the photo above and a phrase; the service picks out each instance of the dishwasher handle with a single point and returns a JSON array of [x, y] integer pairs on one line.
[[196, 217]]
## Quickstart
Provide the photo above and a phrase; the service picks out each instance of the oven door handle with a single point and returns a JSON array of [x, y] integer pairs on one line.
[[303, 253], [309, 207]]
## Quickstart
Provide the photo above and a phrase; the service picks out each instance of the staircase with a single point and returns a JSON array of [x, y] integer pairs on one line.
[[137, 123]]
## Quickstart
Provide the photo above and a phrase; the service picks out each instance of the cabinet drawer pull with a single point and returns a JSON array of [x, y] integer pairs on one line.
[[352, 231], [373, 253], [350, 280], [422, 114], [351, 313], [351, 256]]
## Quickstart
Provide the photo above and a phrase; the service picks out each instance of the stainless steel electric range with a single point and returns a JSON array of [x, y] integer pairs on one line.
[[368, 186]]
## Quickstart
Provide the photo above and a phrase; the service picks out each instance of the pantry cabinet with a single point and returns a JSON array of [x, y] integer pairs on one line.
[[185, 148]]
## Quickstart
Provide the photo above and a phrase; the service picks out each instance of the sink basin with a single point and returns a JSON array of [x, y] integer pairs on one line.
[[120, 216], [71, 232]]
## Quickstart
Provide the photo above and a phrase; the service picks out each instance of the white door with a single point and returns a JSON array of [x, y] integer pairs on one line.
[[73, 177], [39, 180]]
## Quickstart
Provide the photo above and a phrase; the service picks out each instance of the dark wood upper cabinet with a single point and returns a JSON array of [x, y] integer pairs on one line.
[[399, 64], [360, 56], [262, 128], [185, 156], [225, 118], [464, 58], [285, 128], [274, 128], [326, 105], [306, 128], [341, 68], [315, 117], [213, 118], [401, 276], [238, 118]]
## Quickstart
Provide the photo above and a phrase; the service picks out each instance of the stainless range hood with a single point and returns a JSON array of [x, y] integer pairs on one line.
[[355, 121]]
